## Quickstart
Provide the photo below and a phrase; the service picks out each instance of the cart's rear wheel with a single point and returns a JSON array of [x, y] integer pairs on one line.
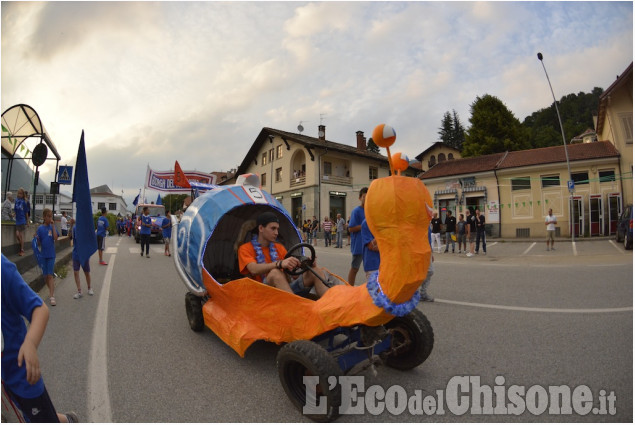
[[303, 358], [412, 339], [194, 310]]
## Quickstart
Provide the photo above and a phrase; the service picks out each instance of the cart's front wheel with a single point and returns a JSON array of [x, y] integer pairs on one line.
[[412, 340], [194, 310], [303, 358]]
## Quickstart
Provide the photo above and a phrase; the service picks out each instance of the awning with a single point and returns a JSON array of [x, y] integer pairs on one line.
[[19, 123]]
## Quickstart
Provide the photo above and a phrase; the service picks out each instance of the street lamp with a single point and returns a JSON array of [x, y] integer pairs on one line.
[[570, 183]]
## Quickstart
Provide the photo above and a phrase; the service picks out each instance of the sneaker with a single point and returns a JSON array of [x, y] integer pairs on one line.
[[427, 298], [469, 254], [553, 249], [445, 252], [52, 300], [77, 295], [452, 251], [459, 251], [142, 253], [91, 292], [103, 263], [147, 255], [71, 417]]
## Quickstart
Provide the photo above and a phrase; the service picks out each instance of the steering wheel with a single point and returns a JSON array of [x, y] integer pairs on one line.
[[305, 262]]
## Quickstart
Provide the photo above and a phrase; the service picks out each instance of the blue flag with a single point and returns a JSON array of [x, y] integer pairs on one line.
[[159, 200], [136, 200], [84, 236]]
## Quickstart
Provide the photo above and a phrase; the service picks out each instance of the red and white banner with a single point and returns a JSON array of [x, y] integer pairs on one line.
[[163, 181]]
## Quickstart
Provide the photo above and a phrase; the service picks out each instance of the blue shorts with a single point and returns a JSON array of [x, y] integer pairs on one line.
[[38, 409], [357, 261], [298, 288], [48, 266], [85, 266]]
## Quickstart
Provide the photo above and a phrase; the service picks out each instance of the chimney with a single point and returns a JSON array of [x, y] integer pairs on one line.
[[361, 141], [321, 132]]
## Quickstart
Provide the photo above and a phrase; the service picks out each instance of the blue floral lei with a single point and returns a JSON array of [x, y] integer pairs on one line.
[[260, 256], [382, 301]]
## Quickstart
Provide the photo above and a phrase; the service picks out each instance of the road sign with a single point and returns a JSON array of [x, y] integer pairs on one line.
[[570, 185], [65, 175]]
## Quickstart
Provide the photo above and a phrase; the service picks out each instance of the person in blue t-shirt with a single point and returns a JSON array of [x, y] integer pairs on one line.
[[355, 227], [46, 236], [102, 231], [370, 250], [21, 218], [167, 232], [77, 264], [21, 376], [146, 231]]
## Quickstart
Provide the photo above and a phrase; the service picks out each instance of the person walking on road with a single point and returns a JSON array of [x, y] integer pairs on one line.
[[102, 231], [435, 224], [146, 231], [480, 231], [77, 265], [167, 232], [471, 231], [450, 230], [327, 226], [46, 236], [550, 222], [340, 227], [355, 227], [21, 375], [460, 233]]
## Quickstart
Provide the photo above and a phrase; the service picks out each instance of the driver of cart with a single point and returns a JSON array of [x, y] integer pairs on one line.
[[263, 260]]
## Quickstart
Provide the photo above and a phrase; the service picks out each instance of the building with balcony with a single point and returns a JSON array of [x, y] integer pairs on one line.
[[312, 176]]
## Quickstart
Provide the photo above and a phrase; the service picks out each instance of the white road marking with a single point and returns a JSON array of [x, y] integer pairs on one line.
[[529, 249], [99, 409], [575, 250], [617, 247], [111, 250], [492, 244], [538, 309]]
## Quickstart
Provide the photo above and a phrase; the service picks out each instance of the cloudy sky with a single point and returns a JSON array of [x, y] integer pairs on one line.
[[151, 83]]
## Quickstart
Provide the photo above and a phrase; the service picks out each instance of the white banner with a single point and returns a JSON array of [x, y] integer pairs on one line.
[[163, 181]]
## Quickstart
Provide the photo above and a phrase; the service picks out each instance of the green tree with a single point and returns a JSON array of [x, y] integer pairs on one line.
[[174, 202], [451, 132], [576, 112], [494, 128], [372, 147]]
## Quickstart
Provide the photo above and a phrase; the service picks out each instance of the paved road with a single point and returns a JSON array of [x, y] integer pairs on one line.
[[532, 317]]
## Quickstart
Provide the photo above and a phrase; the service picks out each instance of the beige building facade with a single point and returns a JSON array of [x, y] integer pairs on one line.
[[615, 124], [312, 176], [515, 190]]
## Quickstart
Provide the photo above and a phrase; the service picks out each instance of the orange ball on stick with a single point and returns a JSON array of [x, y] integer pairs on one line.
[[400, 161], [384, 135]]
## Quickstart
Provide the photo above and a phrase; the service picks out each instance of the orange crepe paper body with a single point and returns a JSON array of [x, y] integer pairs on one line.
[[243, 311]]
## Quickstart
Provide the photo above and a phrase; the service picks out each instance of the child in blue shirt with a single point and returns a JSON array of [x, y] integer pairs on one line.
[[167, 232], [46, 236], [21, 375]]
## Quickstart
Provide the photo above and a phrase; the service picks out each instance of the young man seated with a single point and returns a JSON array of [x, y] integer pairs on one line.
[[263, 259]]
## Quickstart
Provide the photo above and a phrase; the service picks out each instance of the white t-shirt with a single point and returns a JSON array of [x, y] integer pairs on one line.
[[64, 223], [551, 222]]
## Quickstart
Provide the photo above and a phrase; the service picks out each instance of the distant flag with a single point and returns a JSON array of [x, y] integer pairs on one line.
[[84, 235], [159, 200], [136, 199], [179, 176]]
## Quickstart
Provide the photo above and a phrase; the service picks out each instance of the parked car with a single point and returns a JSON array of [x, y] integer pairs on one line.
[[625, 227]]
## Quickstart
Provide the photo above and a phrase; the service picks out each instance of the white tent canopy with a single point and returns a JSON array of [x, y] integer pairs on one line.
[[19, 123]]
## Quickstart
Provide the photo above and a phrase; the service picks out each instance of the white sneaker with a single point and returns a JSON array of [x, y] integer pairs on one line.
[[469, 254], [90, 292], [77, 295]]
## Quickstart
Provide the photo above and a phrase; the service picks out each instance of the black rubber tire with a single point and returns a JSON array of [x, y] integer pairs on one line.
[[628, 243], [307, 358], [617, 236], [416, 327], [194, 310]]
